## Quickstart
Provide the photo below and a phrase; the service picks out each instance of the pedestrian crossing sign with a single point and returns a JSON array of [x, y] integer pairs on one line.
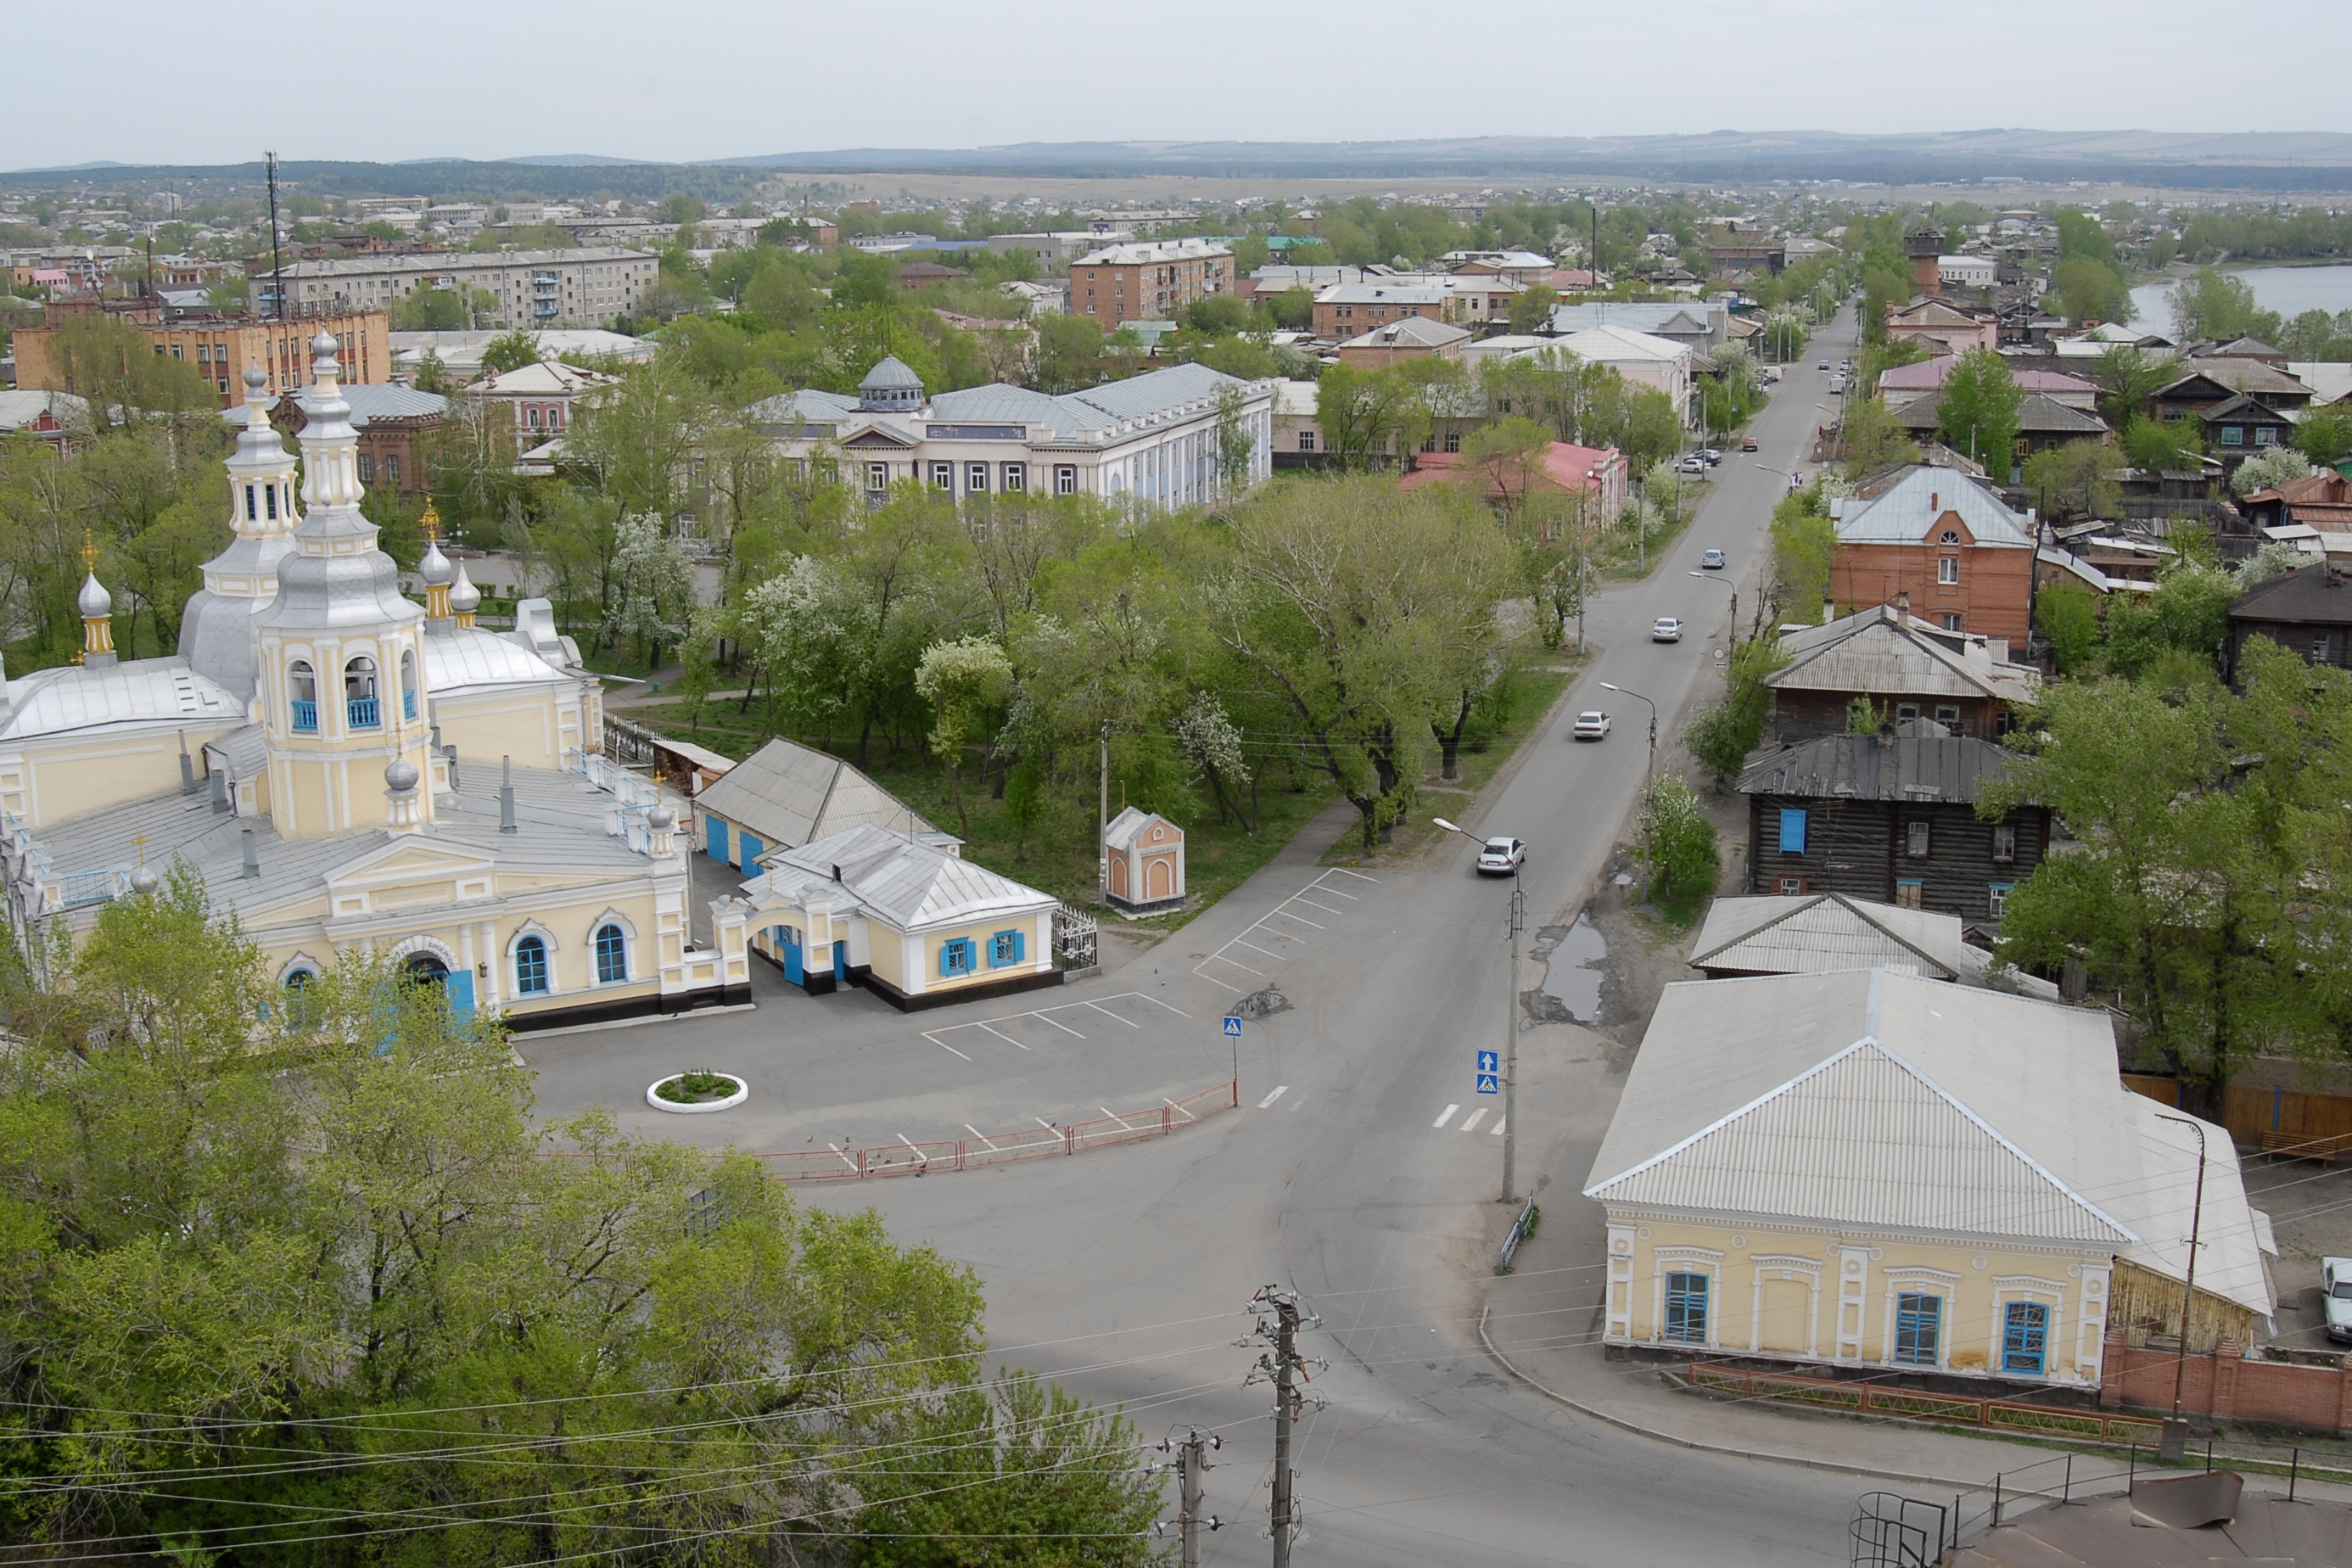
[[1489, 1083], [1234, 1027], [1490, 1061]]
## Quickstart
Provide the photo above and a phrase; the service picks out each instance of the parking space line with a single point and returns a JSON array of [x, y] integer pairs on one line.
[[1280, 1089], [1001, 1035], [1047, 1015], [1156, 1002], [981, 1136], [1178, 1109], [1109, 1014], [1445, 1116], [1358, 875], [844, 1158], [944, 1045], [1114, 1115], [1302, 919], [1325, 909], [1470, 1122], [921, 1157], [1282, 911], [1254, 948], [1046, 1125]]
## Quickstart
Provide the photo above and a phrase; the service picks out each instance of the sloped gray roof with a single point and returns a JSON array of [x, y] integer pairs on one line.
[[1873, 1100], [2313, 595], [1810, 933], [1906, 511], [1874, 650], [890, 372], [135, 691], [911, 887], [1920, 762], [368, 400], [788, 793]]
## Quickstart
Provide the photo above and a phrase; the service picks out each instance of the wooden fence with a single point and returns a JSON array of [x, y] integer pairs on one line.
[[2276, 1119], [1859, 1398]]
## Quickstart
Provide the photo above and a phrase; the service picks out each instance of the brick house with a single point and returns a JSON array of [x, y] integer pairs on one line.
[[1148, 280], [1350, 309], [1890, 817], [392, 421], [1906, 668], [1943, 329], [1965, 560]]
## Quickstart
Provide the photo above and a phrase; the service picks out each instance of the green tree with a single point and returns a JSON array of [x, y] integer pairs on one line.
[[1293, 309], [510, 351], [2271, 467], [2127, 379], [1978, 411], [1531, 307], [1875, 438], [2162, 443], [2068, 615], [1678, 845], [2215, 305], [1069, 352], [1723, 734], [2326, 434], [967, 683], [1804, 549], [2077, 480]]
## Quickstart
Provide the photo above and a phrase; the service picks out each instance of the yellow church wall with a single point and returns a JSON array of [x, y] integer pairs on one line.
[[1830, 1297], [51, 779], [921, 953], [525, 724]]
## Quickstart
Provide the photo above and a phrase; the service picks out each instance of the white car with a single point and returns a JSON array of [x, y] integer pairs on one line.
[[1667, 628], [1712, 561], [2335, 1296], [1500, 857], [1592, 725]]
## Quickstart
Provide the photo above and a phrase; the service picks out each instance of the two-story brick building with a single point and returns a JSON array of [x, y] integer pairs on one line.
[[1148, 280], [1890, 817], [1963, 558]]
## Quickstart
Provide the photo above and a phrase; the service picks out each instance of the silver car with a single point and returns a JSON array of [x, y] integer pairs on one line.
[[2335, 1296]]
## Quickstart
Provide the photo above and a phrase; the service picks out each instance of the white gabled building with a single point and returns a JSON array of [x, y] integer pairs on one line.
[[1154, 437]]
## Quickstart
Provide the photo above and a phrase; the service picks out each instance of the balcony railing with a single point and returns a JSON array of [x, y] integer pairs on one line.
[[306, 716], [364, 713], [409, 703]]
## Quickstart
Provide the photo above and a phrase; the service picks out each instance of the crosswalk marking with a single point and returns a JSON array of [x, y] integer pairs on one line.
[[1445, 1116], [1496, 1130], [1470, 1122], [1280, 1089]]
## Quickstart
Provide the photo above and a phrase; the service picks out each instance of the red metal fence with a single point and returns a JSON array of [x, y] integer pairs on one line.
[[908, 1158], [1950, 1409]]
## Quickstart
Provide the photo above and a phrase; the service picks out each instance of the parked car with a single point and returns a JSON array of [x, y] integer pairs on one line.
[[1823, 365], [1748, 442], [1712, 561], [2335, 1293], [1499, 857], [1592, 725], [1711, 454], [1667, 628], [1694, 463]]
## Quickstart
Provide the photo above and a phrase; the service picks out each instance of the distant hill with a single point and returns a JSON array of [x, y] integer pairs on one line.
[[2304, 161]]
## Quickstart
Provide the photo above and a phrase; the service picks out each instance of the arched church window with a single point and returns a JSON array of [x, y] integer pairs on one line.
[[360, 694], [612, 956], [531, 967], [408, 683], [302, 686]]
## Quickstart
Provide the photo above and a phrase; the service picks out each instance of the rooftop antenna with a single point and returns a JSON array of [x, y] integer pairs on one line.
[[277, 260]]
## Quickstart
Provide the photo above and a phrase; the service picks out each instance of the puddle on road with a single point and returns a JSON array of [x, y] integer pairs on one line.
[[1573, 956]]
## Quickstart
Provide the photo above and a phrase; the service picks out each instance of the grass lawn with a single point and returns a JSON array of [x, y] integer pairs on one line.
[[1059, 854]]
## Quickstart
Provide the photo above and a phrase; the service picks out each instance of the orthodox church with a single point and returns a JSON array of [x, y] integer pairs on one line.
[[348, 770]]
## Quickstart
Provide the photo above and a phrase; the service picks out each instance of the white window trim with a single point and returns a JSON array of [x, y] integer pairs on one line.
[[1916, 1281], [1665, 1260], [1788, 1268], [629, 976], [2051, 1293]]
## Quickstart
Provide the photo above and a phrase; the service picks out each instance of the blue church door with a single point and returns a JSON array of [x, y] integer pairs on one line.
[[841, 961], [793, 969], [458, 987]]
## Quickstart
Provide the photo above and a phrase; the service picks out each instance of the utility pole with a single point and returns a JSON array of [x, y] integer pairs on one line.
[[1102, 827], [1191, 1461], [277, 260], [1517, 921], [1287, 1371], [2176, 1430]]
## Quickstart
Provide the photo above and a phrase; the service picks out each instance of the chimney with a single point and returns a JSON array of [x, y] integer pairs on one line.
[[220, 789], [1903, 608], [187, 767], [1935, 503], [451, 753], [252, 856], [506, 796], [1829, 609]]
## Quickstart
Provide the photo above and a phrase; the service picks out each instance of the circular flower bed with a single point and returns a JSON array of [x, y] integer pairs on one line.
[[696, 1090]]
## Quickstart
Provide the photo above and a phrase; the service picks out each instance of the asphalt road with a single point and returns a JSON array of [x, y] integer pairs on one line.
[[1124, 1272], [1361, 1169]]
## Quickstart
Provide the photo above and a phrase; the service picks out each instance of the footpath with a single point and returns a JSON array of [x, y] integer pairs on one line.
[[1541, 1325]]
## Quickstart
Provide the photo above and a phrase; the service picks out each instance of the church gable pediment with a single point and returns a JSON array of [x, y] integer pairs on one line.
[[409, 860], [868, 439]]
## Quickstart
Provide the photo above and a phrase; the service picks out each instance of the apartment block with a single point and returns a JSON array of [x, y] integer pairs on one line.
[[221, 347], [1148, 280], [585, 287]]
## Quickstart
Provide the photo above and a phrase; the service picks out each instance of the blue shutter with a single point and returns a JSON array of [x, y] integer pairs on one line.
[[1792, 831], [1020, 946]]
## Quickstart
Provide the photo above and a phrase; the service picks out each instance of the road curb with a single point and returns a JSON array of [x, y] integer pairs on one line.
[[1720, 1449]]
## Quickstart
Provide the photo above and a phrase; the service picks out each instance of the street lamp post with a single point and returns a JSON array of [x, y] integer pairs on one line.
[[1514, 921], [1653, 707], [2176, 1430], [1735, 602]]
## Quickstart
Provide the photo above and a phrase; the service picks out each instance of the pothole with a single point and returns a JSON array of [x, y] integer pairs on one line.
[[1261, 1005], [1573, 958]]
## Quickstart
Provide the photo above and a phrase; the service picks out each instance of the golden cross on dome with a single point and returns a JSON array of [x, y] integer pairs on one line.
[[431, 521], [139, 839], [89, 553]]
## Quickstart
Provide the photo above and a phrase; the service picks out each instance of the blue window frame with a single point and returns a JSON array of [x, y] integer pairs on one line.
[[1793, 830], [531, 967], [2026, 1337], [1687, 1307], [1007, 947], [1919, 1328], [612, 956], [957, 957]]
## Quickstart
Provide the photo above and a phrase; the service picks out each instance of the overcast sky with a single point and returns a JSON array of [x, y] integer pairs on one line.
[[142, 81]]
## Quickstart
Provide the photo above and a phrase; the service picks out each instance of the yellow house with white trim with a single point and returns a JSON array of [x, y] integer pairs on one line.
[[1872, 1169]]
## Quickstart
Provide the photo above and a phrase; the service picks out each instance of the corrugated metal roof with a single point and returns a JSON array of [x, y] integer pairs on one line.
[[1882, 1101], [1921, 761], [465, 657], [1814, 932], [1876, 651]]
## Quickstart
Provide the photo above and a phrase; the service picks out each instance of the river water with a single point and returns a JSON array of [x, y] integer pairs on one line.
[[2289, 290]]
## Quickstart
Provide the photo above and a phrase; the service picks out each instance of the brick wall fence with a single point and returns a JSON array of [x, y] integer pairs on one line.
[[2229, 1387]]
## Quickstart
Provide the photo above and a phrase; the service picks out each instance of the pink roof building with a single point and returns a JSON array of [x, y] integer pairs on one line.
[[1905, 380]]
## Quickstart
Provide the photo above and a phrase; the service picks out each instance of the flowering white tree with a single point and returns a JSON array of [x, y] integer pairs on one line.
[[964, 681], [803, 628], [1214, 742], [653, 587]]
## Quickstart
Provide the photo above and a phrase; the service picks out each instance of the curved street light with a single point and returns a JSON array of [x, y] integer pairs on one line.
[[1726, 583]]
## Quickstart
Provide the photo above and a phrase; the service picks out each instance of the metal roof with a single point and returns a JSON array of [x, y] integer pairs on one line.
[[1908, 511], [890, 372], [2302, 597], [136, 691], [1810, 933], [912, 887], [1921, 761], [787, 794], [462, 658], [1882, 1102], [1886, 654]]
